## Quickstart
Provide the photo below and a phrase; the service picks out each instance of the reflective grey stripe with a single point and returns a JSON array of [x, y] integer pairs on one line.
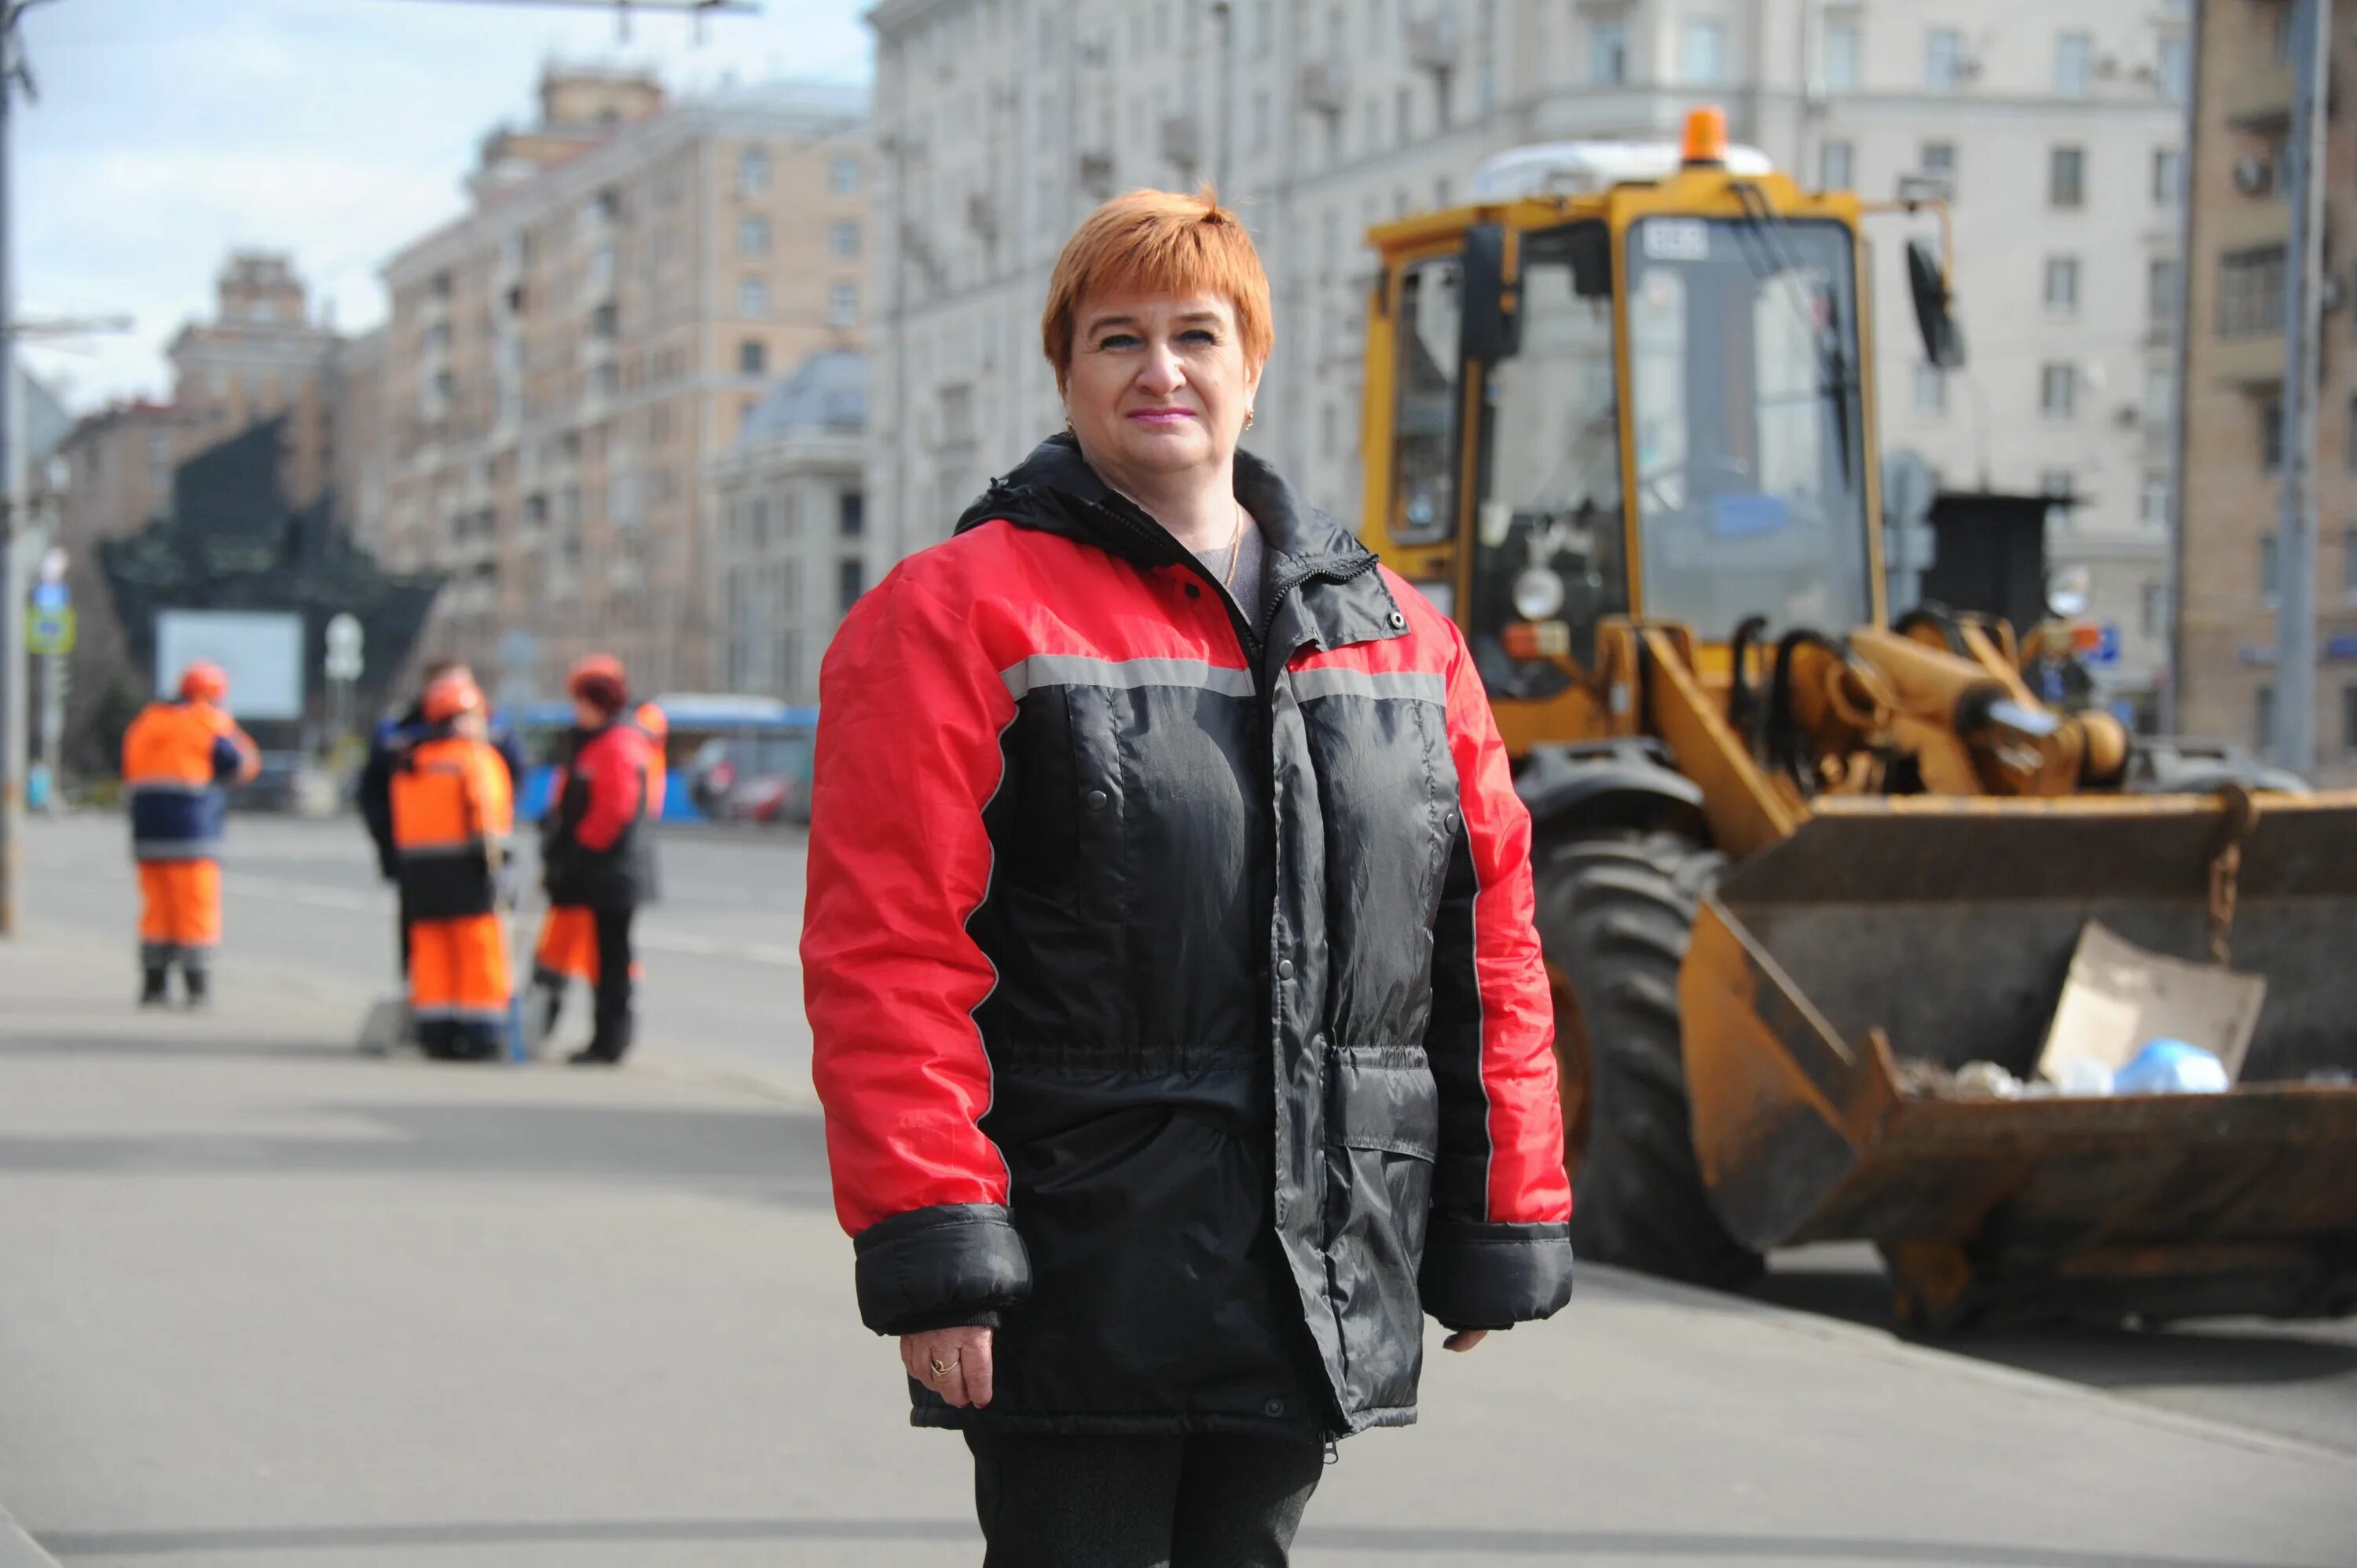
[[446, 850], [1078, 669], [176, 849], [169, 787], [1416, 685]]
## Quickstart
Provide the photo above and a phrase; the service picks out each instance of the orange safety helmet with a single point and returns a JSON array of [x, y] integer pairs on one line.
[[600, 681], [451, 695], [652, 720], [204, 681]]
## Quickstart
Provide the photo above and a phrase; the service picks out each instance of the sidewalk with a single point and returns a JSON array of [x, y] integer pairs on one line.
[[263, 1303]]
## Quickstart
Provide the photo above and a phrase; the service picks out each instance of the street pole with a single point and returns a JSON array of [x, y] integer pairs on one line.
[[12, 577], [2294, 698]]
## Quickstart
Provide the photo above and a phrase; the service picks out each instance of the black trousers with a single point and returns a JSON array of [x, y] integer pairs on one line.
[[1214, 1500], [610, 1037]]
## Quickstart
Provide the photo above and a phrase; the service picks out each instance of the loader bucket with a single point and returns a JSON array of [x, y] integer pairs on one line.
[[1941, 931]]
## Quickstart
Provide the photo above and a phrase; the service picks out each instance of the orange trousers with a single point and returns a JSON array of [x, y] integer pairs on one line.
[[459, 983], [568, 946], [180, 913]]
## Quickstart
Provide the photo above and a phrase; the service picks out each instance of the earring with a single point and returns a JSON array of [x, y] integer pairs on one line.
[[1067, 425], [1248, 419]]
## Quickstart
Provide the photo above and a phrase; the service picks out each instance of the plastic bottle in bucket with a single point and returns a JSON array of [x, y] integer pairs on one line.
[[2172, 1066]]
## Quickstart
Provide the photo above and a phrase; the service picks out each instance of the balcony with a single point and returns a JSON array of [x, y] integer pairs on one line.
[[1181, 139], [2249, 360], [1431, 43], [1326, 86], [2258, 95]]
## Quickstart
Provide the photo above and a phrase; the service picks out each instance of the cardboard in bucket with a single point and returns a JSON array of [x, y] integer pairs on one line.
[[2119, 998]]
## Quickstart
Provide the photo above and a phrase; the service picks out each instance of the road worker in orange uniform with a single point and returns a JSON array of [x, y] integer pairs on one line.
[[568, 932], [453, 810], [175, 756]]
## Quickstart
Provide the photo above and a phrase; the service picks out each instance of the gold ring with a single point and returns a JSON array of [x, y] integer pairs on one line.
[[942, 1369]]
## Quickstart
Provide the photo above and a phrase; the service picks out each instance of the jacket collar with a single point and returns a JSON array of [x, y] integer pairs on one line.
[[1056, 491]]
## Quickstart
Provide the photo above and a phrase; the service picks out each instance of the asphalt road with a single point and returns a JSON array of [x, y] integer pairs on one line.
[[722, 999]]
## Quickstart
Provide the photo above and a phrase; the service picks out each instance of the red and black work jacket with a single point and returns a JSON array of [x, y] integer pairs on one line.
[[176, 756], [1171, 966], [453, 810], [594, 851]]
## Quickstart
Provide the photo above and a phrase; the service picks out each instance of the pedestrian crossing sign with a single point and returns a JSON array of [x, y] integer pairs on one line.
[[50, 631]]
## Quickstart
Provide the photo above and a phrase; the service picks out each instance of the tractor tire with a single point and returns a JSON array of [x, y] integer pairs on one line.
[[1615, 911]]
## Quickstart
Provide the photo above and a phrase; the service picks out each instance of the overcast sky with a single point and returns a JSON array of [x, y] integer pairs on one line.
[[167, 131]]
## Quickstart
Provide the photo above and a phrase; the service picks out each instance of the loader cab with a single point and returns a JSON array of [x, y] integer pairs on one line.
[[1626, 381]]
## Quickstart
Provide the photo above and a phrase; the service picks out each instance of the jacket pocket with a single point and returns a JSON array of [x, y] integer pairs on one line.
[[1383, 1132], [1386, 1100]]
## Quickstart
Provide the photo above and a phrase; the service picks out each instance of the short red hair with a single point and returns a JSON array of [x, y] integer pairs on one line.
[[1159, 241]]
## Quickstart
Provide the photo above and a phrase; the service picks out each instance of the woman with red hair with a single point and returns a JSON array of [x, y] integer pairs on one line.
[[595, 856], [1178, 1015]]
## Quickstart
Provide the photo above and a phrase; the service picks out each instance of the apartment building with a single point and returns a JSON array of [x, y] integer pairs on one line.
[[562, 362], [1000, 122], [261, 356], [2228, 562], [789, 530]]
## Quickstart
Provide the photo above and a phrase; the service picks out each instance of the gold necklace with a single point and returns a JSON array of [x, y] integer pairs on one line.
[[1235, 548]]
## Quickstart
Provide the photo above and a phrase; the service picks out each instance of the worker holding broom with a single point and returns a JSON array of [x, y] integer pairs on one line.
[[453, 810]]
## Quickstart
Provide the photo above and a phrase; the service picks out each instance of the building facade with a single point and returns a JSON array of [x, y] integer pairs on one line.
[[261, 356], [562, 362], [2240, 225], [788, 527], [1000, 122]]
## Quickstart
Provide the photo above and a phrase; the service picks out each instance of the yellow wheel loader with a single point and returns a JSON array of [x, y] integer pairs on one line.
[[1804, 870]]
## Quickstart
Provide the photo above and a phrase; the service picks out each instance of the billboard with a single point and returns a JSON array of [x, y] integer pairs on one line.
[[261, 650]]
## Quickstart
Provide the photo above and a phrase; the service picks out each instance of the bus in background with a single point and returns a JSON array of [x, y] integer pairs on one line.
[[726, 758]]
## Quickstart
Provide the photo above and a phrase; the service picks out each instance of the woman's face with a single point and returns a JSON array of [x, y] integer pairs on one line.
[[1159, 384]]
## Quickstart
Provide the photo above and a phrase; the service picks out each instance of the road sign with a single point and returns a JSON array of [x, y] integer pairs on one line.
[[2106, 650], [50, 631], [344, 640], [49, 597]]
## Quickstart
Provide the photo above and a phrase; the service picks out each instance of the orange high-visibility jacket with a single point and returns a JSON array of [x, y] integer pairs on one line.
[[175, 756], [453, 809]]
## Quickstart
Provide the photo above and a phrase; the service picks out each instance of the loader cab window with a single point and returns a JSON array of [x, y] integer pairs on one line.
[[1550, 539], [1743, 347], [1424, 448]]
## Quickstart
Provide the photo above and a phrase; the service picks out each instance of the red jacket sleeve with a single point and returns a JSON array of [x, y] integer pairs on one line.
[[614, 770], [910, 712], [1499, 1249]]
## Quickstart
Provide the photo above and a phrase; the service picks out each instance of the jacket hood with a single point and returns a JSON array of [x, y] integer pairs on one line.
[[1055, 490]]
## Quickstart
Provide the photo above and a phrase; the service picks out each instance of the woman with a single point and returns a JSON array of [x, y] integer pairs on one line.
[[594, 851], [1179, 1022]]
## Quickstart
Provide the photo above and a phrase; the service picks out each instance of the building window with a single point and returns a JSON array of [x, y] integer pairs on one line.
[[753, 298], [2055, 484], [2168, 175], [2155, 511], [1939, 160], [2349, 564], [2074, 65], [752, 171], [850, 582], [842, 305], [1608, 51], [752, 357], [2262, 707], [2062, 286], [2349, 719], [2270, 564], [2153, 616], [843, 175], [2066, 176], [842, 238], [2271, 434], [1943, 59], [753, 237], [1702, 52], [1836, 167], [1485, 85], [1842, 54], [2161, 295], [850, 514], [2176, 70], [1930, 389], [2057, 390], [2349, 458], [2251, 292]]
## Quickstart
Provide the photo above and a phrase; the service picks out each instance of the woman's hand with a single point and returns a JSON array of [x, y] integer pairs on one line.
[[1463, 1339], [966, 1352]]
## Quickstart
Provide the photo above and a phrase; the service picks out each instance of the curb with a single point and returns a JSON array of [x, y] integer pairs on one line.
[[1882, 1345], [19, 1550]]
